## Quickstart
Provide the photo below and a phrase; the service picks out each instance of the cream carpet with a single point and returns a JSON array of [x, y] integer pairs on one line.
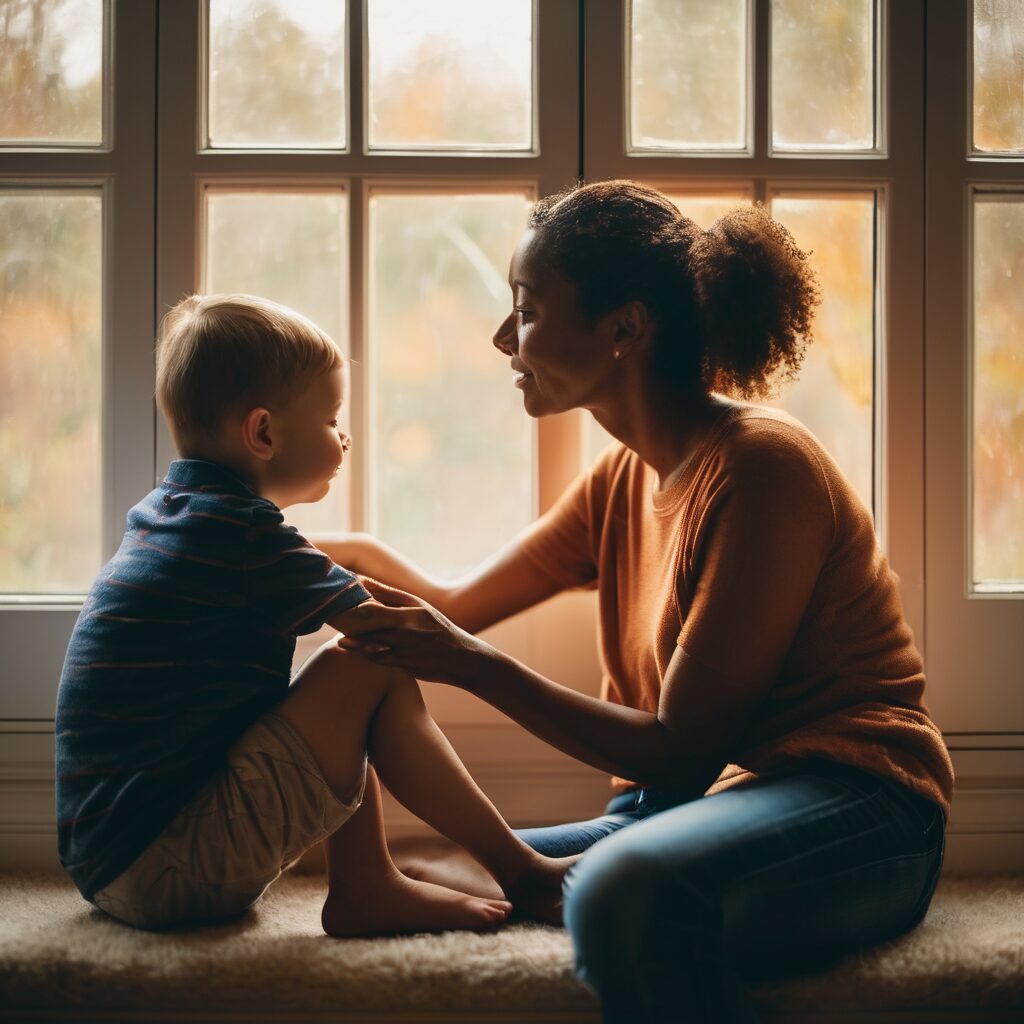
[[62, 960]]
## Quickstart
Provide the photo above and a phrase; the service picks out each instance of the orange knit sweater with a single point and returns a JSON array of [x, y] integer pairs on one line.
[[760, 507]]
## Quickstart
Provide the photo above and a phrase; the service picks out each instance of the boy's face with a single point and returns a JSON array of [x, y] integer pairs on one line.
[[309, 446]]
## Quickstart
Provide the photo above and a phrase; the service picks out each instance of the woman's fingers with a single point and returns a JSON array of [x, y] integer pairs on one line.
[[371, 617], [390, 596]]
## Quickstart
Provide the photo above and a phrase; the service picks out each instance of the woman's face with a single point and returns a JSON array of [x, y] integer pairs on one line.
[[557, 360]]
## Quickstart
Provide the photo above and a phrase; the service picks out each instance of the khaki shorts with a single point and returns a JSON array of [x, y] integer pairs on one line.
[[251, 821]]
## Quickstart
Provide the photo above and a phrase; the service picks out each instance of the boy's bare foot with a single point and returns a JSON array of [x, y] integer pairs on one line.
[[537, 892], [395, 904]]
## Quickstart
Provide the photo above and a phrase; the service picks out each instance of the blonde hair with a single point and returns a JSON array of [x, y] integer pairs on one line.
[[228, 353]]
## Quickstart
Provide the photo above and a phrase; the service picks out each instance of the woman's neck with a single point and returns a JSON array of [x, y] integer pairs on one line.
[[665, 427]]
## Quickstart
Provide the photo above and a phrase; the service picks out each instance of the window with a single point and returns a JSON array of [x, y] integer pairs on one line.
[[371, 163]]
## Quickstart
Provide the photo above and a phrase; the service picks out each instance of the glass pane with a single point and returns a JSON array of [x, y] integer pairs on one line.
[[823, 74], [704, 210], [276, 74], [290, 247], [452, 447], [51, 72], [688, 74], [451, 74], [999, 76], [51, 317], [834, 395], [998, 448]]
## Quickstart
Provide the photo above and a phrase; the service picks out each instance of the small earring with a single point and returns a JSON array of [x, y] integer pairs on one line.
[[616, 353]]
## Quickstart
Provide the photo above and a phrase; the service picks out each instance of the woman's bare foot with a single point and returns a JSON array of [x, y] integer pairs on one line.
[[537, 892], [394, 904]]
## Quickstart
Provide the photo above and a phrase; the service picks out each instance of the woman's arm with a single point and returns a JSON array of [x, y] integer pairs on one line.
[[506, 584], [686, 752], [657, 749]]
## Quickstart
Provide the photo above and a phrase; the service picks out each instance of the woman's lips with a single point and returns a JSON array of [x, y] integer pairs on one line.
[[519, 378]]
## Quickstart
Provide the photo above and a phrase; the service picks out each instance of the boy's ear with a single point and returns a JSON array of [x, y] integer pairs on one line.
[[256, 434]]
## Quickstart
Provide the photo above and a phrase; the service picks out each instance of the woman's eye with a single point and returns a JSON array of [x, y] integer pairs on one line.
[[523, 313]]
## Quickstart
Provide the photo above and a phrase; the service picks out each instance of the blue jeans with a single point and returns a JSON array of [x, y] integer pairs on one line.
[[676, 905]]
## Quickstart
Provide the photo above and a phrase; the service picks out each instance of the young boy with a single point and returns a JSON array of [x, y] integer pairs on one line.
[[189, 772]]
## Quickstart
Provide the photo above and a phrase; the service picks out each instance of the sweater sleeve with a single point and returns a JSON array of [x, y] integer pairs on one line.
[[762, 531]]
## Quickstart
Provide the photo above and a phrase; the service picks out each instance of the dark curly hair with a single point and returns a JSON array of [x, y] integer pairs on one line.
[[733, 304]]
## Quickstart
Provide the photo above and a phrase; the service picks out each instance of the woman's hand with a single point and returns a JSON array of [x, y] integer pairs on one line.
[[402, 630]]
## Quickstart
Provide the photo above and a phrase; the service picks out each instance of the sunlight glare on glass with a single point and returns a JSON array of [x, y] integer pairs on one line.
[[276, 74], [997, 450], [835, 393], [451, 74], [823, 75], [51, 72], [51, 317], [452, 451], [687, 74], [999, 76]]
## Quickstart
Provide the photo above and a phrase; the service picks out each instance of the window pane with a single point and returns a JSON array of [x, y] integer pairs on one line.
[[823, 74], [704, 210], [51, 72], [291, 247], [276, 74], [999, 76], [451, 444], [834, 395], [50, 384], [688, 74], [452, 74], [998, 447]]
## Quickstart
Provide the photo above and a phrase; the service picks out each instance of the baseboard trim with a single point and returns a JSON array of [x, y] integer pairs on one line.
[[532, 784]]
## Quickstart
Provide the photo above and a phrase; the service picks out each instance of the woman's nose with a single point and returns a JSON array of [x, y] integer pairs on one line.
[[504, 339]]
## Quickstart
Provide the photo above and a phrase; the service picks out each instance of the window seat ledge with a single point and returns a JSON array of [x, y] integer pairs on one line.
[[61, 959]]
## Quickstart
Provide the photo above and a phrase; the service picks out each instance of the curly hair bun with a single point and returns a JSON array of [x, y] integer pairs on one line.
[[757, 294]]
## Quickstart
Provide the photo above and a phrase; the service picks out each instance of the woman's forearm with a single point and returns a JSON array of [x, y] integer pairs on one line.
[[623, 741], [363, 554]]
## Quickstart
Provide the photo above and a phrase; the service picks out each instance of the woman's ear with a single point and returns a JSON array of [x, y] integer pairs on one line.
[[256, 434], [632, 325]]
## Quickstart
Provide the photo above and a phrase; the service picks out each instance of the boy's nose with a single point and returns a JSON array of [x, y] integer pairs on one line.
[[504, 339]]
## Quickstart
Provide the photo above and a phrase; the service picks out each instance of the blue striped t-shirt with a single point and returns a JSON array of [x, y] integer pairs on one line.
[[184, 640]]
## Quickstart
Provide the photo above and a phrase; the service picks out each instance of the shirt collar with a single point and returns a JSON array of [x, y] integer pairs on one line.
[[200, 475]]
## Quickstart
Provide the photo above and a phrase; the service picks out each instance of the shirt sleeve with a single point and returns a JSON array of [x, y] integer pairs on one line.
[[563, 542], [764, 533], [293, 584]]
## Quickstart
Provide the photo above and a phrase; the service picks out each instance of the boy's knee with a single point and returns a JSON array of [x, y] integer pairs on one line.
[[343, 671]]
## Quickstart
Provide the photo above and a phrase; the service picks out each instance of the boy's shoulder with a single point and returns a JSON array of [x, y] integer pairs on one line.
[[199, 498]]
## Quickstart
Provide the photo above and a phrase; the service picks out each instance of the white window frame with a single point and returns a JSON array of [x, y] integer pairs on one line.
[[34, 629]]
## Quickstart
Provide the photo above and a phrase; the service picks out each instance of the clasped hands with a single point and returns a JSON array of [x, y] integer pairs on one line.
[[401, 630]]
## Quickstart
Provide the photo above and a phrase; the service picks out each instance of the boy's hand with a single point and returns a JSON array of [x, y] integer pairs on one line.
[[400, 629]]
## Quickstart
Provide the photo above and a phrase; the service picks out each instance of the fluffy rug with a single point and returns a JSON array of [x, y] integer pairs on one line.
[[59, 958]]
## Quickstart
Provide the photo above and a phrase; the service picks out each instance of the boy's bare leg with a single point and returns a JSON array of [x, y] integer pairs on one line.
[[440, 861], [343, 704], [368, 895]]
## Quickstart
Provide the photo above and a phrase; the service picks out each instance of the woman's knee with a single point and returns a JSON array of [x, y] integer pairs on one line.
[[604, 891]]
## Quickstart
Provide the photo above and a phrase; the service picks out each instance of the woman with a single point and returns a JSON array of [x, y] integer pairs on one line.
[[782, 791]]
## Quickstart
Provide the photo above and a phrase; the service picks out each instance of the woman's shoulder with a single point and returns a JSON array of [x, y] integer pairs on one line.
[[761, 438]]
